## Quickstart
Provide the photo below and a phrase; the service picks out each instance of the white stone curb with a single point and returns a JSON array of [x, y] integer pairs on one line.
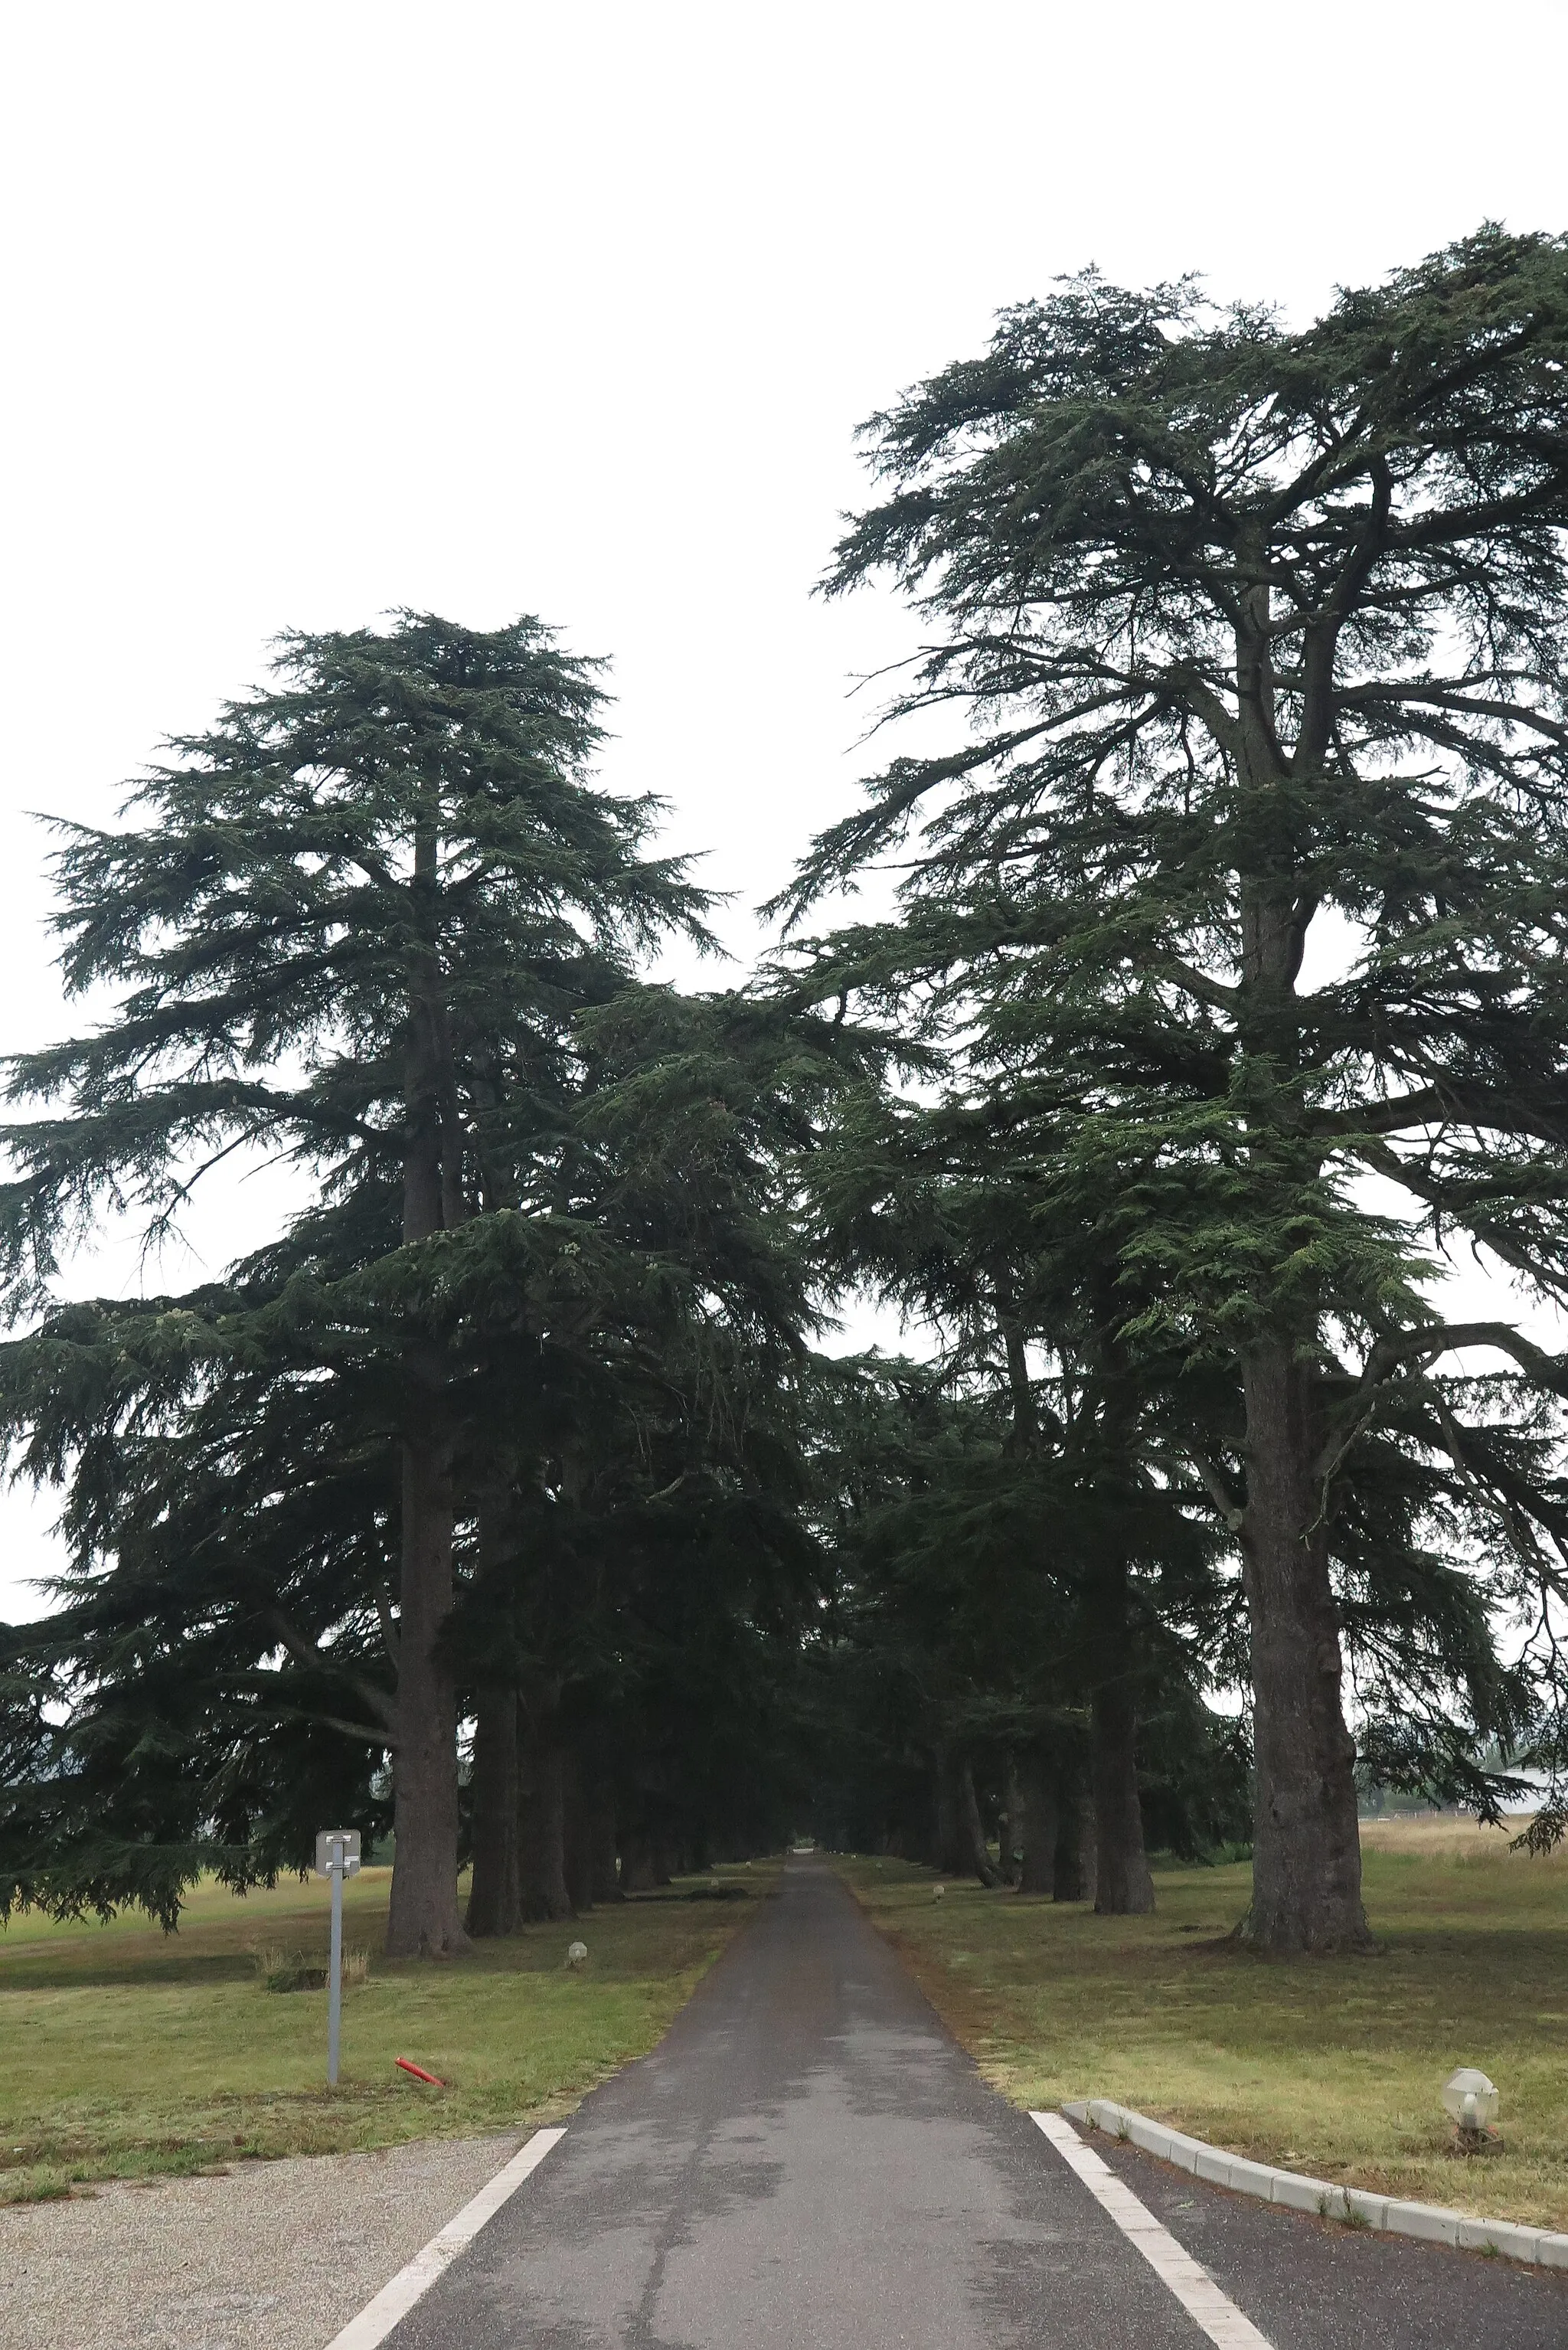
[[1385, 2213]]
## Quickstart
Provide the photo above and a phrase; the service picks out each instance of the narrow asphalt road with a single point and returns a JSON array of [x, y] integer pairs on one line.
[[810, 2162]]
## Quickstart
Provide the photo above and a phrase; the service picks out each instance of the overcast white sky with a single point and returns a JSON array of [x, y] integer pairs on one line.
[[315, 310]]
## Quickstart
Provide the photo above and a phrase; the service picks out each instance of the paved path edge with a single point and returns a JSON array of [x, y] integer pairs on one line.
[[389, 2307], [1386, 2215]]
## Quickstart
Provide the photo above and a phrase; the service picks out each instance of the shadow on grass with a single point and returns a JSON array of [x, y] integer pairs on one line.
[[126, 1971]]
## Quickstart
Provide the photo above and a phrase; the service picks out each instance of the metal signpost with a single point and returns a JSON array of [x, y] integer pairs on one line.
[[337, 1856]]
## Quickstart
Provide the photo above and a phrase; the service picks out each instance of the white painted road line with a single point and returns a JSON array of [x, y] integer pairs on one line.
[[394, 2301], [1193, 2286]]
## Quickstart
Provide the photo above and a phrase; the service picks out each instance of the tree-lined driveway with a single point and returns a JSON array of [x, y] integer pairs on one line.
[[810, 2162]]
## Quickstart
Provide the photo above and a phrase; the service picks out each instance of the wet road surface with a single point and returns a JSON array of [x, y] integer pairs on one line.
[[808, 2161]]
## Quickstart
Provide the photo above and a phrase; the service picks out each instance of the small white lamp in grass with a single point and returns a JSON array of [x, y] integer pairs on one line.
[[1471, 2102], [938, 1893], [577, 1954]]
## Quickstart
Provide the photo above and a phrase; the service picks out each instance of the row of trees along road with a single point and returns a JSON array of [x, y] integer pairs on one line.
[[1262, 634], [1225, 985], [370, 921]]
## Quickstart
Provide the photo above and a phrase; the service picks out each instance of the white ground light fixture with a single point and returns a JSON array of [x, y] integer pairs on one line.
[[1472, 2101], [576, 1954]]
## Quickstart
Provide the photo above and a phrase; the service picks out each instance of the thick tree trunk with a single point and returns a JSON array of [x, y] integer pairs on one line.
[[950, 1853], [494, 1894], [1306, 1845], [422, 1920], [1037, 1779], [978, 1860], [541, 1841], [1123, 1886]]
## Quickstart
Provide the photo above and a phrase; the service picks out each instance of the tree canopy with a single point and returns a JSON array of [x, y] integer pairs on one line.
[[513, 1498], [1262, 636]]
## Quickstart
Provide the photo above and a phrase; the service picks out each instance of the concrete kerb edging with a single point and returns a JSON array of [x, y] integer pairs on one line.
[[1385, 2213]]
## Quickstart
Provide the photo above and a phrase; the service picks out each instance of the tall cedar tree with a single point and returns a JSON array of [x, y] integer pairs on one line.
[[620, 1374], [1257, 630], [669, 1456], [348, 922]]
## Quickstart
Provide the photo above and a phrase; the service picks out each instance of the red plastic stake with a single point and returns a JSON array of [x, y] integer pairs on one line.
[[419, 2073]]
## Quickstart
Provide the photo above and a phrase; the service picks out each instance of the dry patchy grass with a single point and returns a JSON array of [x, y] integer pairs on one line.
[[1331, 2066], [123, 2052]]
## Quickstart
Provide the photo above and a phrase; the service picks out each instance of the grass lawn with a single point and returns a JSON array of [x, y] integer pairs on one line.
[[124, 2053], [1330, 2066]]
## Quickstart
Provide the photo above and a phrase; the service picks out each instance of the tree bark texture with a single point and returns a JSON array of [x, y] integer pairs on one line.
[[422, 1920], [1123, 1886], [1306, 1845], [949, 1855], [494, 1894]]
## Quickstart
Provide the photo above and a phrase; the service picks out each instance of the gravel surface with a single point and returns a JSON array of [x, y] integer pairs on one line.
[[273, 2256]]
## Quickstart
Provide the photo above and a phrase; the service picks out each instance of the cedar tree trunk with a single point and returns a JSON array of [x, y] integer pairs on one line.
[[1123, 1886], [422, 1920], [1306, 1846], [948, 1852], [977, 1859]]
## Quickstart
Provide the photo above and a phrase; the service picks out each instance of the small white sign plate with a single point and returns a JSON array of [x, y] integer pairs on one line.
[[349, 1840]]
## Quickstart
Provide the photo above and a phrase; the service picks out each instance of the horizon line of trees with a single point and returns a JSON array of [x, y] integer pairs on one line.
[[508, 1499]]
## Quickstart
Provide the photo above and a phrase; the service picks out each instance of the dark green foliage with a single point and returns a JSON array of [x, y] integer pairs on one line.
[[267, 923], [1087, 512], [1243, 883], [352, 923], [1257, 630], [1194, 1779], [230, 1630]]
